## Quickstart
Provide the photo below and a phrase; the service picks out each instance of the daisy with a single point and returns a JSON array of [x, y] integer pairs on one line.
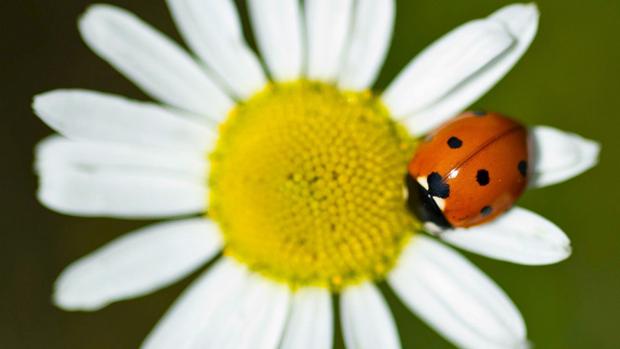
[[290, 177]]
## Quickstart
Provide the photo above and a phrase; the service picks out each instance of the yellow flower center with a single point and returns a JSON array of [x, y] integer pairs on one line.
[[307, 183]]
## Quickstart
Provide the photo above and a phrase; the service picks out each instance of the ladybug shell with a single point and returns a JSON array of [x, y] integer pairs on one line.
[[473, 168]]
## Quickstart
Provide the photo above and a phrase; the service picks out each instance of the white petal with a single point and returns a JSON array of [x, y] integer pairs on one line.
[[233, 311], [445, 64], [559, 155], [462, 66], [152, 61], [370, 40], [518, 236], [366, 319], [278, 29], [136, 264], [122, 193], [328, 24], [310, 323], [455, 298], [183, 322], [258, 318], [213, 30], [88, 115], [56, 151]]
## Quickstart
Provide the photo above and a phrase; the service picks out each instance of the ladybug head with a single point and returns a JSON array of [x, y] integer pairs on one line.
[[422, 204]]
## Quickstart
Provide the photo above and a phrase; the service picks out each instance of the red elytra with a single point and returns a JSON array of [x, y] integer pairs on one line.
[[470, 170]]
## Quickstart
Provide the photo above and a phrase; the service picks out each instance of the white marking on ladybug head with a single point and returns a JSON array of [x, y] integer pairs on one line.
[[441, 203], [423, 181]]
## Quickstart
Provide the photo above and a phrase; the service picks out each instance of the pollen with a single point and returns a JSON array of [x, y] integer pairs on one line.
[[307, 183]]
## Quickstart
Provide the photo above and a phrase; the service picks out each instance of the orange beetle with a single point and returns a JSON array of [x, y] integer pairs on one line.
[[468, 171]]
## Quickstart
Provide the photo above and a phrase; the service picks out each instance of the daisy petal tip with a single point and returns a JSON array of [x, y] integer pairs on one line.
[[519, 236], [67, 299], [68, 304], [591, 150], [48, 105], [98, 10], [521, 20], [521, 343], [36, 101], [566, 251], [49, 195], [42, 102], [518, 17], [87, 19], [555, 254], [533, 7], [46, 198], [560, 156]]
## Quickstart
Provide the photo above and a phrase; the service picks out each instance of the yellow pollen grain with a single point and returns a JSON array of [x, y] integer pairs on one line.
[[306, 185]]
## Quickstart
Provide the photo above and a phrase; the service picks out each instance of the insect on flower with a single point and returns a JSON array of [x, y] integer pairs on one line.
[[469, 171]]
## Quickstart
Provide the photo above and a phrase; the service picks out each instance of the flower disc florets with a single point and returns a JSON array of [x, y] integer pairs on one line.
[[306, 184]]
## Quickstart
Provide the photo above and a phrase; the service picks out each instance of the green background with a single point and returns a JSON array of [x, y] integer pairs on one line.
[[568, 79]]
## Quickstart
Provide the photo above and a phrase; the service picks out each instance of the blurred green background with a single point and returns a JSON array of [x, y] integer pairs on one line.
[[569, 79]]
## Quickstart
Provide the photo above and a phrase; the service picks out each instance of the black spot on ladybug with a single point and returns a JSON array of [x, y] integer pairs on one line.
[[482, 177], [479, 112], [454, 142], [522, 166], [486, 210], [437, 186]]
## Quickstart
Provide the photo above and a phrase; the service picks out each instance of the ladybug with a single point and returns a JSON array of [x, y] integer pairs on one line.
[[469, 171]]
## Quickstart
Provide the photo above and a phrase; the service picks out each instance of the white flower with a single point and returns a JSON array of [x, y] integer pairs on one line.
[[281, 189]]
